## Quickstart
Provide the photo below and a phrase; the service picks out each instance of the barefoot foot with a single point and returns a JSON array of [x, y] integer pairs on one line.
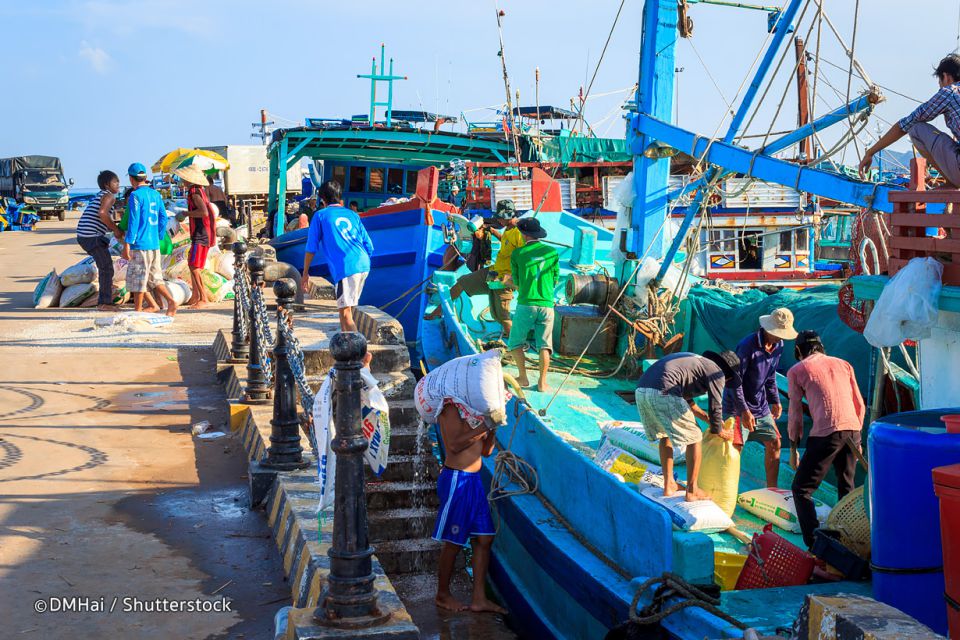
[[670, 488], [485, 606], [693, 495], [448, 602], [543, 387], [523, 382], [172, 310], [150, 309], [107, 307]]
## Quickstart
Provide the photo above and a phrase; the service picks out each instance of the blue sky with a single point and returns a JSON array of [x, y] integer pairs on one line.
[[102, 83]]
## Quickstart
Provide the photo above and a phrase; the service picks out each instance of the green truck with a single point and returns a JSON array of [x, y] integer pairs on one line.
[[36, 182]]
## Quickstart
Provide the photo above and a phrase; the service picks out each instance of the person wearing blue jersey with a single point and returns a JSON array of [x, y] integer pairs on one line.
[[338, 233], [146, 224]]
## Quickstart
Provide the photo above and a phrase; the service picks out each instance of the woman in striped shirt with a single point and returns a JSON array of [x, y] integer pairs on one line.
[[95, 223]]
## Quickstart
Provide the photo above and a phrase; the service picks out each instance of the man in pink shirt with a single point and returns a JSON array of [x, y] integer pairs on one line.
[[837, 410]]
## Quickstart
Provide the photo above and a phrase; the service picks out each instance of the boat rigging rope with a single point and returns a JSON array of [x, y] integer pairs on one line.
[[603, 51], [673, 586]]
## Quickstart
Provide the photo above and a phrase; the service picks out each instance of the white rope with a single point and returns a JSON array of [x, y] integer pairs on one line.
[[854, 63]]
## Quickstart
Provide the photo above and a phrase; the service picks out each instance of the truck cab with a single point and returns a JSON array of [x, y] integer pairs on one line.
[[37, 182]]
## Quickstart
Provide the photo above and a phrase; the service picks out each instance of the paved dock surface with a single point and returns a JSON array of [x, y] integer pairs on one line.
[[103, 491]]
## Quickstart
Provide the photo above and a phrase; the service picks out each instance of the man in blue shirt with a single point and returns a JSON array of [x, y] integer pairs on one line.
[[756, 402], [338, 232], [146, 223]]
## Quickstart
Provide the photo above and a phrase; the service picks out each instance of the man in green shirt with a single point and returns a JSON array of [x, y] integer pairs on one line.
[[536, 268]]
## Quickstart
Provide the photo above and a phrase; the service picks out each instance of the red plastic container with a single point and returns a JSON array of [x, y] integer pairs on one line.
[[775, 562], [952, 421], [946, 484]]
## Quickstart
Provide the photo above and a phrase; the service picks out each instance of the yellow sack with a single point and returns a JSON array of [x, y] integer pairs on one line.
[[720, 471]]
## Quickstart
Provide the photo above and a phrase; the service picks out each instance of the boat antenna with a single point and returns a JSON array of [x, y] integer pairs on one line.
[[514, 136], [536, 92]]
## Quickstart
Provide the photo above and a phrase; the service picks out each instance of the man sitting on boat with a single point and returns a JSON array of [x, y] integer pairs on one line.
[[936, 146], [339, 233], [837, 409], [756, 402], [536, 268], [665, 394], [495, 282]]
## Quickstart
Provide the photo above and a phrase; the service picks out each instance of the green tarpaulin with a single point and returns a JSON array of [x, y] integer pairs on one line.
[[576, 149]]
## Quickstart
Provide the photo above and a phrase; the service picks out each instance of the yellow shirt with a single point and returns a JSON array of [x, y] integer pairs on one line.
[[511, 239]]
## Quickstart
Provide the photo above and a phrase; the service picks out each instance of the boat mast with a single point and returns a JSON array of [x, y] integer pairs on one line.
[[514, 136], [374, 78], [803, 100]]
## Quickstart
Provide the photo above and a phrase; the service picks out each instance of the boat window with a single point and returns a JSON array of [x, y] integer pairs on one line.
[[411, 182], [786, 241], [358, 178], [750, 249], [722, 240], [802, 242], [376, 180], [339, 175], [395, 181]]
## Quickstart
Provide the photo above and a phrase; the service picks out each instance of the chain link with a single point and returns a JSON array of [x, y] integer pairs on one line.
[[264, 334], [295, 358], [241, 290]]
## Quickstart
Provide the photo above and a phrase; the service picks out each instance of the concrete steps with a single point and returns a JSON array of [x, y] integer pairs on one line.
[[386, 358], [411, 555], [397, 524], [401, 495], [409, 467]]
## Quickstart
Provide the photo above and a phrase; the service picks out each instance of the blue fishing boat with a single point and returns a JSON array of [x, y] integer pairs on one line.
[[576, 547]]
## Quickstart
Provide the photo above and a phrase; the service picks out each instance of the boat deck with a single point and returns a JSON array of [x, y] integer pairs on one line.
[[584, 403]]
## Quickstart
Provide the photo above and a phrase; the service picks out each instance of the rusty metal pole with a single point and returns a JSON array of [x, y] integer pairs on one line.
[[285, 452], [351, 599], [257, 391], [239, 348]]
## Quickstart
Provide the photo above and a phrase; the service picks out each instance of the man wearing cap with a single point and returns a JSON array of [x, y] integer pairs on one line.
[[535, 268], [756, 403], [146, 224], [454, 197], [837, 410], [495, 281], [665, 394]]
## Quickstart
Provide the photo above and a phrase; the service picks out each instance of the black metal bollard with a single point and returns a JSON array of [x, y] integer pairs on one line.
[[239, 348], [351, 599], [285, 452], [257, 391]]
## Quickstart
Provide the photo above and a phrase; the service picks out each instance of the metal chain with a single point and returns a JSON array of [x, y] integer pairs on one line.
[[295, 358], [264, 334], [241, 290]]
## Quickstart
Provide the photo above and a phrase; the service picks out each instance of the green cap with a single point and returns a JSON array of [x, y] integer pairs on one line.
[[505, 209]]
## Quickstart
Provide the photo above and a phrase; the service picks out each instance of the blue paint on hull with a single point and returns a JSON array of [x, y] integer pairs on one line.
[[406, 251]]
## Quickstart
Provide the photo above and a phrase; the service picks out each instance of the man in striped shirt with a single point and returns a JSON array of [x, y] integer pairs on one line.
[[936, 146]]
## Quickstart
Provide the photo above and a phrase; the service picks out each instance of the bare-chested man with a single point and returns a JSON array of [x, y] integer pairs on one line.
[[464, 512]]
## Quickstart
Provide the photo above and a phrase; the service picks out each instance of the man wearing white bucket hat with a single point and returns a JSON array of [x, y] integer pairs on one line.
[[756, 402]]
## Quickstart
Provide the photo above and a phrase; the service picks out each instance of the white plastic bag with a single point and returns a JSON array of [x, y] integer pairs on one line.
[[703, 515], [48, 290], [225, 266], [907, 308], [83, 272], [632, 438], [474, 381], [776, 507], [374, 421], [74, 295], [627, 467]]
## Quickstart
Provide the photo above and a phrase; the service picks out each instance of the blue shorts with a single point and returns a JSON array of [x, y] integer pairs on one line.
[[464, 511]]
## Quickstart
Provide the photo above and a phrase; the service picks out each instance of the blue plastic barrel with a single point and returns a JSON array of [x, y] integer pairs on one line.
[[907, 557]]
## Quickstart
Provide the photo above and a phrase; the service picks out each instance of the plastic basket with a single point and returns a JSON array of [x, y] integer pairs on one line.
[[727, 568], [774, 562], [849, 518]]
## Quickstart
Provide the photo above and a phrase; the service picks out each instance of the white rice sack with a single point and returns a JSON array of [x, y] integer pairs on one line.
[[48, 291], [184, 287], [703, 515], [776, 507], [475, 381], [176, 291], [627, 467], [74, 295], [120, 271], [631, 437], [83, 272], [230, 295], [93, 299], [225, 266]]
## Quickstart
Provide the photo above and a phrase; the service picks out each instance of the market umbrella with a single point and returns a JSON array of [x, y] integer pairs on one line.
[[208, 160], [203, 163]]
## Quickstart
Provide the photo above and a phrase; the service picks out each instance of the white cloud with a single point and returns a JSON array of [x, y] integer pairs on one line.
[[98, 58]]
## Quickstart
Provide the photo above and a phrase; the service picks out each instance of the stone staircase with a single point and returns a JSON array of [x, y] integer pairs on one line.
[[402, 502]]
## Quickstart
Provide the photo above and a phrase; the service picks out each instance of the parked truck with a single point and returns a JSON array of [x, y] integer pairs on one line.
[[248, 178], [37, 183]]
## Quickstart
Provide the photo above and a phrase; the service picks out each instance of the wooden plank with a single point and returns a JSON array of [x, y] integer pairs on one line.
[[946, 220], [939, 196], [930, 245]]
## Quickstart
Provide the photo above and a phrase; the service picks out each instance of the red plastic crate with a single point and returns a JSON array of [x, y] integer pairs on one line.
[[775, 562]]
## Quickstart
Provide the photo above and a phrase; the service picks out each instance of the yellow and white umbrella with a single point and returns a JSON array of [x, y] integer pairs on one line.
[[206, 160]]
